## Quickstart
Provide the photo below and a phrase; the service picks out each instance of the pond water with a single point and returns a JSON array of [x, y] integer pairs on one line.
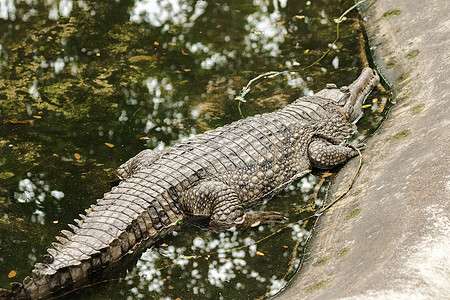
[[85, 85]]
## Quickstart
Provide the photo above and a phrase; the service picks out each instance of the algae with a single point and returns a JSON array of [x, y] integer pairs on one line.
[[352, 214], [6, 175], [357, 192], [322, 260], [392, 12], [342, 252], [316, 286], [412, 54], [417, 109], [404, 76], [401, 134]]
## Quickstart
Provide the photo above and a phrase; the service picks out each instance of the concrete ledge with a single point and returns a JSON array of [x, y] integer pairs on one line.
[[390, 237]]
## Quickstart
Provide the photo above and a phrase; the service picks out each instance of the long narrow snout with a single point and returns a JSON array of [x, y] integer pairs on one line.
[[359, 90], [350, 98]]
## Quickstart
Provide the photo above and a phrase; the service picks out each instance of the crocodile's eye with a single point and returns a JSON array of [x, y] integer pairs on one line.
[[344, 89]]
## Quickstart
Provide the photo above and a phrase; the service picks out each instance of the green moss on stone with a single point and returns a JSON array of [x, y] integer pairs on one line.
[[417, 109], [323, 260], [401, 134], [412, 54], [342, 252], [404, 96], [390, 64], [404, 76], [352, 214], [316, 286], [357, 192], [392, 12]]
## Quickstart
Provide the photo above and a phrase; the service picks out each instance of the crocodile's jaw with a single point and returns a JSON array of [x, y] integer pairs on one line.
[[350, 98]]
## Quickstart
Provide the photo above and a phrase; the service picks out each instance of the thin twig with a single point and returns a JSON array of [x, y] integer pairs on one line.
[[338, 21], [255, 81], [321, 211], [272, 74]]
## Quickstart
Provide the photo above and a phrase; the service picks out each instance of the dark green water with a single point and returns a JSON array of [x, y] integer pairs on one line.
[[75, 75]]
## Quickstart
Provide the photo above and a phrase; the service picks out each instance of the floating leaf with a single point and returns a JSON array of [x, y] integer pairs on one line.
[[299, 17], [285, 247], [12, 274], [164, 245], [55, 222], [109, 145], [281, 22], [155, 57], [259, 253], [155, 43], [144, 138], [179, 222], [184, 53], [327, 174], [287, 36], [77, 156], [37, 117], [256, 223], [98, 54], [306, 51], [367, 105], [374, 100], [21, 121]]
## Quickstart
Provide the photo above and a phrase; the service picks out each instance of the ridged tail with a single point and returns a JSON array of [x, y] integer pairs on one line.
[[124, 222]]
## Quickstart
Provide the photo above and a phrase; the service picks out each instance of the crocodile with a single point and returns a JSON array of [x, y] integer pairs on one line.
[[215, 176]]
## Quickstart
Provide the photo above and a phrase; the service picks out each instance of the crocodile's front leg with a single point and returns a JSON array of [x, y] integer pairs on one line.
[[219, 202], [325, 155]]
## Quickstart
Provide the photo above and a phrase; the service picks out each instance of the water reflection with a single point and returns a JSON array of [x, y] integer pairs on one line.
[[85, 85]]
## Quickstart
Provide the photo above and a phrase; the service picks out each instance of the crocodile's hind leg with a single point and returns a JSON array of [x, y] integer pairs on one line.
[[325, 155], [142, 160], [221, 203]]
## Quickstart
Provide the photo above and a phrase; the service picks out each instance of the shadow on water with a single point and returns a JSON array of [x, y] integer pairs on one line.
[[84, 85]]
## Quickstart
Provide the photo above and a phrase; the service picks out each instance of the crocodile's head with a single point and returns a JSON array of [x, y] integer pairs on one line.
[[350, 98]]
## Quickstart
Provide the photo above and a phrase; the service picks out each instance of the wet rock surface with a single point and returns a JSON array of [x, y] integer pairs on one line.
[[389, 238]]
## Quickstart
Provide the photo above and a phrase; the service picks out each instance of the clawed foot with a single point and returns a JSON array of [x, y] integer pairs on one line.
[[357, 147], [256, 218]]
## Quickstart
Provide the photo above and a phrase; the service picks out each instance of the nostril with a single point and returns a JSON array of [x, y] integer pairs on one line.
[[331, 86]]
